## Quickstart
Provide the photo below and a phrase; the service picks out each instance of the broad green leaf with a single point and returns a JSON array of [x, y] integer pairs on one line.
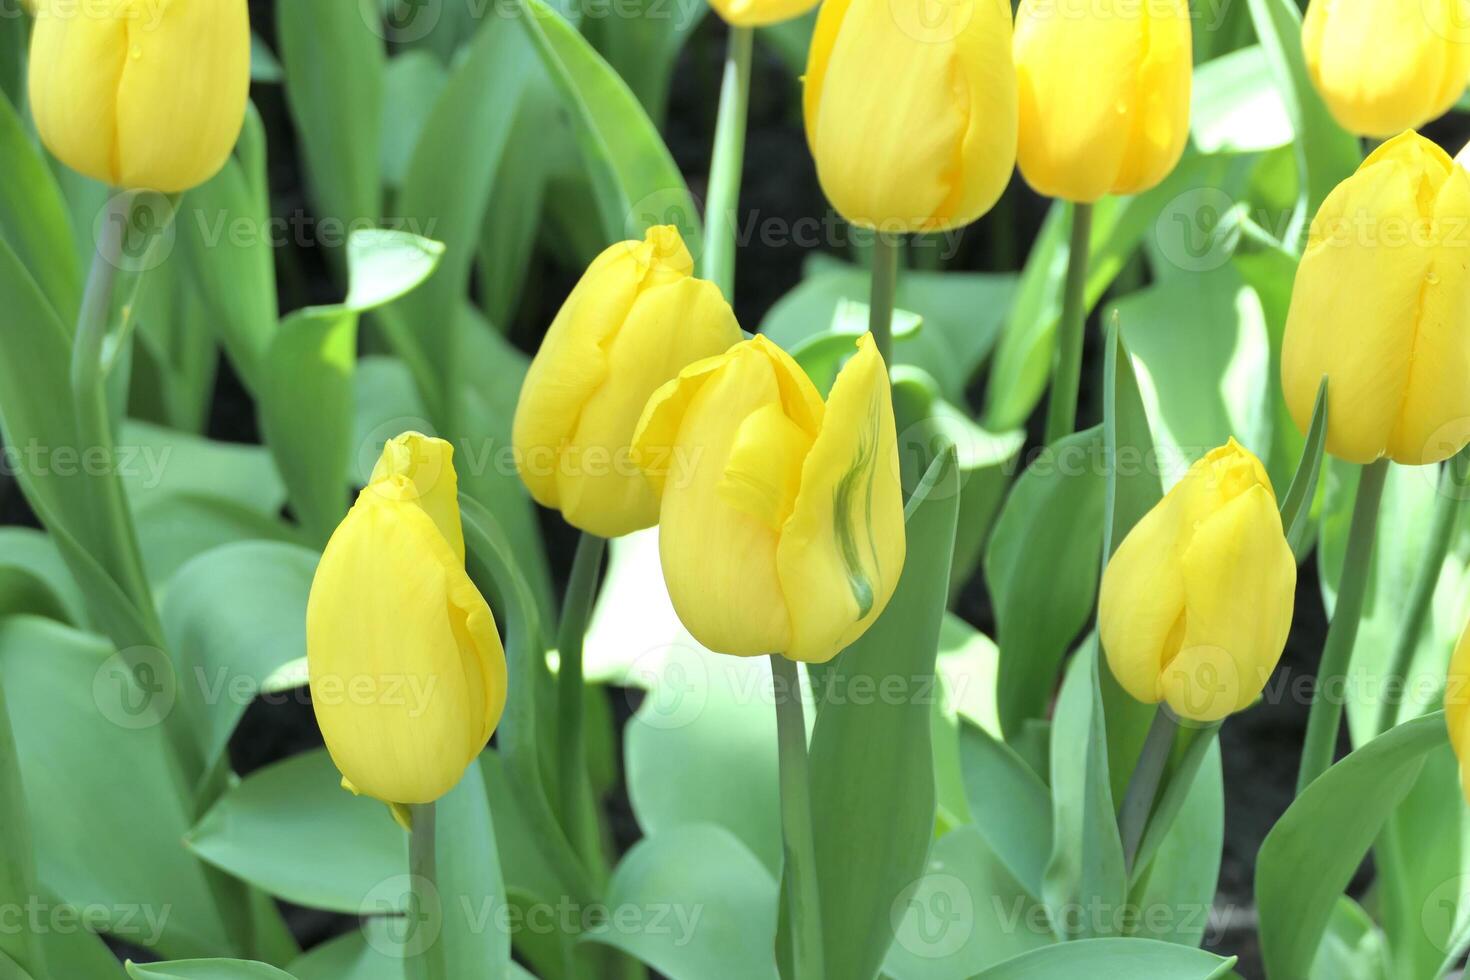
[[1177, 888], [78, 954], [158, 464], [1012, 807], [206, 970], [305, 399], [18, 882], [174, 361], [412, 81], [873, 797], [1085, 871], [694, 904], [85, 730], [293, 831], [234, 616], [1353, 948], [967, 668], [637, 181], [33, 218], [1113, 959], [1237, 107], [1329, 829], [368, 953], [966, 914], [34, 577], [1296, 505], [1326, 153], [334, 64], [444, 195], [1042, 566], [470, 888], [641, 41], [1271, 272], [174, 529]]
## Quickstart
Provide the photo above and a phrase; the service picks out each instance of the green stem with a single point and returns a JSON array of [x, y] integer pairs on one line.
[[1061, 409], [727, 159], [1452, 484], [804, 903], [1326, 712], [1143, 785], [423, 957], [112, 520], [576, 804], [880, 299]]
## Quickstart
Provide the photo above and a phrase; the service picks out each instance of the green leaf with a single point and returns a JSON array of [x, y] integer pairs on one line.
[[206, 970], [33, 218], [306, 409], [293, 831], [637, 181], [1296, 506], [693, 903], [514, 218], [1353, 948], [334, 65], [1182, 872], [1042, 566], [1326, 153], [641, 43], [85, 731], [1113, 959], [1329, 829], [1012, 807], [873, 797], [235, 615], [1237, 107], [468, 880], [175, 529], [34, 577], [18, 883], [157, 465], [353, 956], [412, 81]]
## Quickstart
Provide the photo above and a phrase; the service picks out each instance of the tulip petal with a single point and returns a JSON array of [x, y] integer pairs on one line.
[[759, 13], [1239, 579], [76, 111], [1457, 706], [415, 468], [843, 547], [1142, 599], [763, 472]]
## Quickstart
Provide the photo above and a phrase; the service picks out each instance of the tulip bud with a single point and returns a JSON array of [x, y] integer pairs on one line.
[[911, 110], [1384, 66], [141, 95], [781, 526], [406, 667], [1104, 95], [633, 322], [1457, 707], [1381, 307], [760, 13], [1197, 601]]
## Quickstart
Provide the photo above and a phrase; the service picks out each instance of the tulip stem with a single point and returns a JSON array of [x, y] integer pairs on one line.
[[1061, 409], [803, 900], [1342, 634], [576, 803], [1143, 785], [727, 159], [884, 287], [1452, 484], [423, 957], [113, 521]]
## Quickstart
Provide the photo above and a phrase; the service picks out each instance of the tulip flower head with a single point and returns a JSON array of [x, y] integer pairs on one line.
[[1457, 707], [1104, 92], [407, 672], [141, 94], [760, 13], [781, 522], [636, 318], [1381, 307], [911, 110], [1197, 601], [1384, 66]]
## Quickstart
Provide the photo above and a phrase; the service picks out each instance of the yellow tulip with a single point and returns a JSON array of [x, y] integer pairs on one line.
[[1381, 307], [1197, 601], [781, 525], [635, 319], [1384, 66], [759, 13], [1457, 707], [911, 110], [141, 94], [1104, 94], [406, 668]]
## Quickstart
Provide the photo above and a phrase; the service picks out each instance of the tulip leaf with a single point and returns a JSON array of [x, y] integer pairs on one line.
[[1012, 807], [33, 217], [701, 906], [873, 796], [1042, 569], [85, 730], [1113, 959], [306, 408], [642, 43], [1237, 107], [638, 184], [1329, 830], [291, 830], [158, 465], [412, 80], [1296, 506], [34, 577], [18, 861], [206, 970], [471, 891], [1353, 948], [367, 953], [235, 615], [1325, 152]]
